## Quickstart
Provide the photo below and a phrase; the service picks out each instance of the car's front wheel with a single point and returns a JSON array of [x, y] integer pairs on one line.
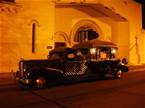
[[119, 74]]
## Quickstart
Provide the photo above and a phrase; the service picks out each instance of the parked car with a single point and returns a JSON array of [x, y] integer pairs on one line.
[[84, 61]]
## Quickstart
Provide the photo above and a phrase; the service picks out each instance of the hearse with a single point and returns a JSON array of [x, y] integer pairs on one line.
[[89, 60]]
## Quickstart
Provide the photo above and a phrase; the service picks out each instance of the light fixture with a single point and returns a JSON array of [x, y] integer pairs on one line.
[[93, 50]]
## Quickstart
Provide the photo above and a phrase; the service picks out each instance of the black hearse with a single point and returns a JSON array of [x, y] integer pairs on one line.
[[85, 61]]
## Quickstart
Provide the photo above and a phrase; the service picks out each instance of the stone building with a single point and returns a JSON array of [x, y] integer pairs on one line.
[[29, 29]]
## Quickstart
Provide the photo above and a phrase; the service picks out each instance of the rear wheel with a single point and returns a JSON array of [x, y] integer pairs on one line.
[[40, 82], [119, 74]]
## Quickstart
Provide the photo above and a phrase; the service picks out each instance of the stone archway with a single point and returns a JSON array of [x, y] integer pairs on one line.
[[88, 24], [85, 33], [61, 39]]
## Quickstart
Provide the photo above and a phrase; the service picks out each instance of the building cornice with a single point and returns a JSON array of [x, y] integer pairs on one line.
[[76, 1], [9, 7], [103, 10]]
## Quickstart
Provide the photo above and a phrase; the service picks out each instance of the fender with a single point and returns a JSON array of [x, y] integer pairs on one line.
[[123, 68], [45, 69], [48, 73]]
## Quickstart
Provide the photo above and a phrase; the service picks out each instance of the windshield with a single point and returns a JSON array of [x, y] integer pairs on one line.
[[100, 53]]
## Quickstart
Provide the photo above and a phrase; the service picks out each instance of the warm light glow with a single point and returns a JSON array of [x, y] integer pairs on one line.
[[40, 81], [113, 50], [26, 81], [103, 55], [71, 56], [93, 50]]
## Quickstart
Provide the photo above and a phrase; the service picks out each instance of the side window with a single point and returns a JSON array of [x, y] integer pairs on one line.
[[84, 52], [85, 33], [56, 56], [60, 44]]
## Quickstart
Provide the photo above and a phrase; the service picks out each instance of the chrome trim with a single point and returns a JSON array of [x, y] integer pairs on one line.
[[53, 69]]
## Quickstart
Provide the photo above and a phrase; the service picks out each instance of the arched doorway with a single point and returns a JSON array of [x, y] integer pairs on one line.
[[85, 33], [85, 30]]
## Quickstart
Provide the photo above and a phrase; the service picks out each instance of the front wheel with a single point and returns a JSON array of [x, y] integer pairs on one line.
[[119, 74]]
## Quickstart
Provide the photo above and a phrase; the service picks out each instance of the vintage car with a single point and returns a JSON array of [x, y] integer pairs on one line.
[[85, 61]]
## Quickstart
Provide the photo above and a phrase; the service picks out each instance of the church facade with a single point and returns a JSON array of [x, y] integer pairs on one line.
[[29, 29]]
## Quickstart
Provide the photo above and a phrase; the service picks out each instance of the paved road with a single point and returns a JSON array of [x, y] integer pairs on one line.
[[128, 92]]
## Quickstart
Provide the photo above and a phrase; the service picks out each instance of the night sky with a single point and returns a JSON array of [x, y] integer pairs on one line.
[[143, 14], [143, 11]]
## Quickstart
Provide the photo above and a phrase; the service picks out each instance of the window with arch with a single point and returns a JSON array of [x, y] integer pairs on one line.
[[85, 33]]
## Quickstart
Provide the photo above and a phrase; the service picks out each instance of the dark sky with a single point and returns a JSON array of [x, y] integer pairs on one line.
[[143, 11], [140, 1], [143, 15]]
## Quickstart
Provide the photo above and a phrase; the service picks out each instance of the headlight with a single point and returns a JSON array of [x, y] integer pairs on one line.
[[39, 81], [27, 81], [93, 50], [113, 50]]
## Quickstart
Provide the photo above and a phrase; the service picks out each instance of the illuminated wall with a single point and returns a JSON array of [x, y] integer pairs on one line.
[[53, 21], [113, 28], [16, 32], [131, 10], [73, 17]]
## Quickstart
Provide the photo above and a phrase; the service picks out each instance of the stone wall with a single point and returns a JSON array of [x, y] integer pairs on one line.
[[16, 32]]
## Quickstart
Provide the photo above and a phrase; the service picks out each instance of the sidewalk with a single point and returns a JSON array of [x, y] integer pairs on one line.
[[8, 78], [139, 67]]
